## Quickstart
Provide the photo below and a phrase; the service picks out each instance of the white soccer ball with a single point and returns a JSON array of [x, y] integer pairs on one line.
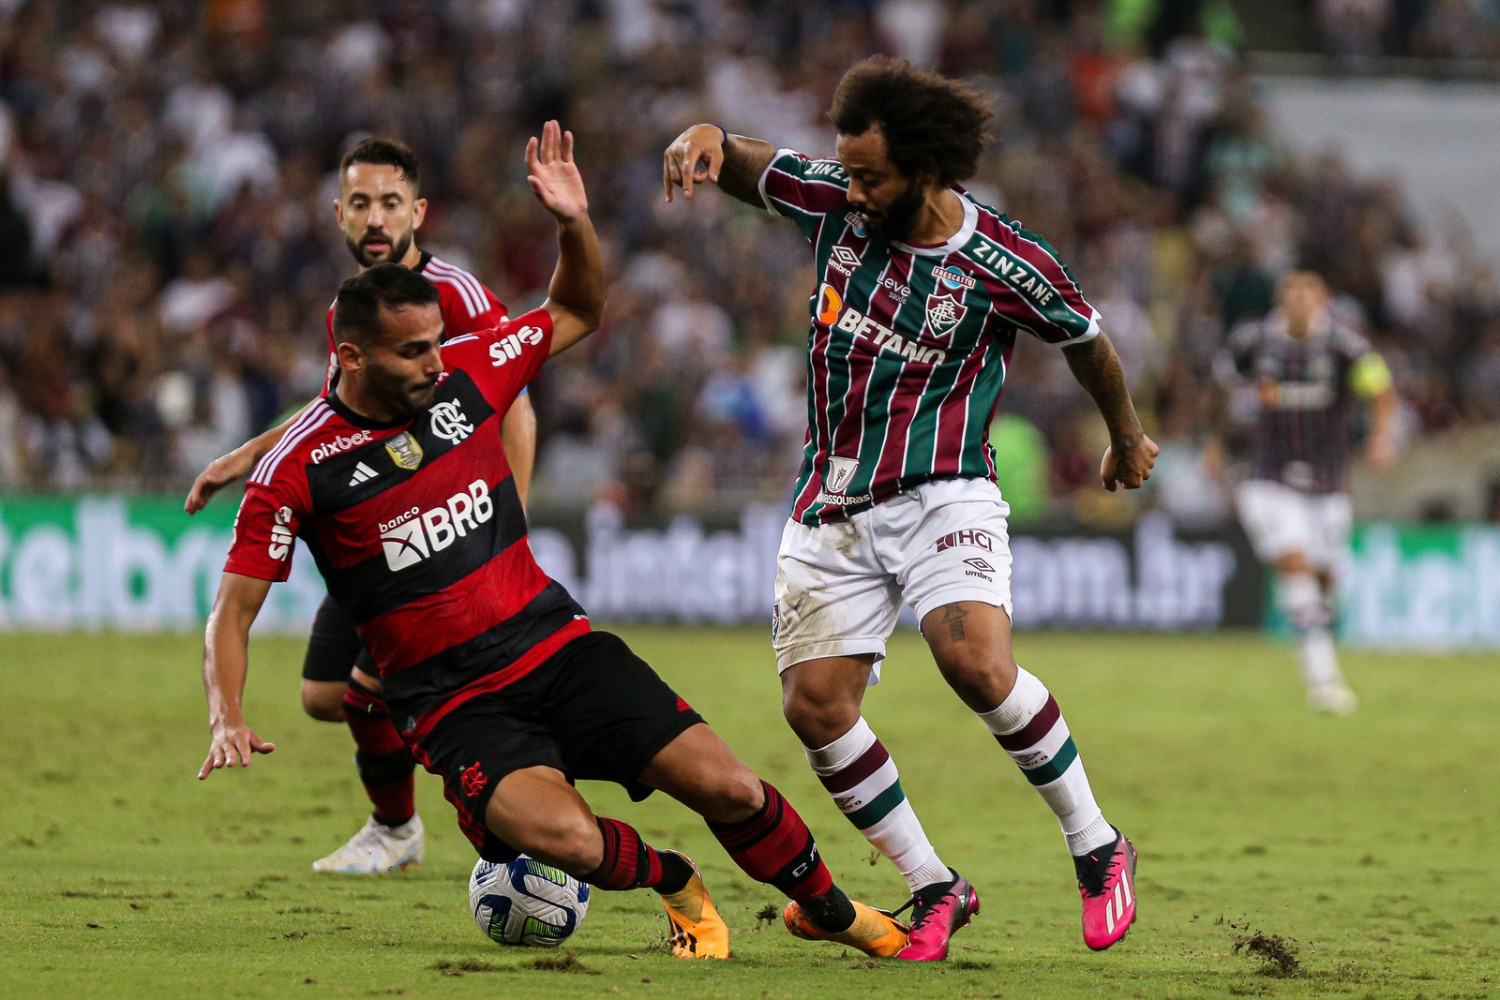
[[526, 902]]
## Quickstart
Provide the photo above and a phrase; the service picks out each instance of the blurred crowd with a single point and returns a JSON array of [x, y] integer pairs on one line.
[[1447, 30], [169, 248]]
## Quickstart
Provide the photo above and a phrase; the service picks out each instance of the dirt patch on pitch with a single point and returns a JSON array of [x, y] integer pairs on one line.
[[1277, 955]]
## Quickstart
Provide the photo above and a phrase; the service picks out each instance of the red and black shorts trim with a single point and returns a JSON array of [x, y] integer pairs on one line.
[[593, 710]]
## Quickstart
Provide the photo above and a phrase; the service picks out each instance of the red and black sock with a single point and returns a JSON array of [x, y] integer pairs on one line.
[[631, 863], [775, 847], [385, 765]]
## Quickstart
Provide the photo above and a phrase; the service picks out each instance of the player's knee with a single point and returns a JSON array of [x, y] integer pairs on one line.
[[818, 716], [571, 842], [324, 702], [979, 677], [736, 795]]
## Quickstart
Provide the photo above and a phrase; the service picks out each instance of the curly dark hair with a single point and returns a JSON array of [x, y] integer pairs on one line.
[[929, 121]]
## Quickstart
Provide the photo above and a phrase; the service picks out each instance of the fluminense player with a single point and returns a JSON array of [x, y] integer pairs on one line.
[[922, 293], [1309, 371], [491, 669], [380, 209]]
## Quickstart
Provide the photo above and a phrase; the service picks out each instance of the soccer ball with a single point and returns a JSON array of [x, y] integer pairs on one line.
[[526, 902]]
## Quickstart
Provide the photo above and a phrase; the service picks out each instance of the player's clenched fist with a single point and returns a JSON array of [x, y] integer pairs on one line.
[[1128, 463], [694, 156], [231, 743]]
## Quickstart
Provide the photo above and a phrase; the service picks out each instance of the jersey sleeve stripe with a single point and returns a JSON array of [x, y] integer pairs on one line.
[[468, 280], [460, 340], [481, 301], [442, 276], [761, 183], [316, 417]]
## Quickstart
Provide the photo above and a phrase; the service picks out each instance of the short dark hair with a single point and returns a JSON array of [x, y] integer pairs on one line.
[[384, 152], [356, 312], [929, 121]]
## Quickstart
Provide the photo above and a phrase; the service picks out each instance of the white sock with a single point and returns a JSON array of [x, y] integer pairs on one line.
[[862, 778], [1032, 730], [1302, 601]]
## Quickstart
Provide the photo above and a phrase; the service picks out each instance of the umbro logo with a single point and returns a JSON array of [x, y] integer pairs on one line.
[[844, 260], [980, 565], [362, 474]]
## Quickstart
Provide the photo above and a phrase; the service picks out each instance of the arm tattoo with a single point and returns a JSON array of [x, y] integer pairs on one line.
[[1097, 368], [744, 161], [953, 617]]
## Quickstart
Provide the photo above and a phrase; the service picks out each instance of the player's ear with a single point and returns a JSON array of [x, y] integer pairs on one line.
[[418, 212], [338, 211], [350, 356]]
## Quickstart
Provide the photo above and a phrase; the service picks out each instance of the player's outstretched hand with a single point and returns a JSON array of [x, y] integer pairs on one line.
[[220, 473], [1128, 463], [554, 177], [695, 156], [231, 743]]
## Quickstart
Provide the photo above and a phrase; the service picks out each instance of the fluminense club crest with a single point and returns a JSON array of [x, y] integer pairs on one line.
[[944, 313]]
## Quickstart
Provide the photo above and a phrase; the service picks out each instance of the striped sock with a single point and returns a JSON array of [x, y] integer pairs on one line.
[[1032, 730], [862, 779]]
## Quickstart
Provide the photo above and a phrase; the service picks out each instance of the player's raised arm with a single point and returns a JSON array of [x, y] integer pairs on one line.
[[709, 153], [575, 298], [225, 660], [236, 465], [1131, 454]]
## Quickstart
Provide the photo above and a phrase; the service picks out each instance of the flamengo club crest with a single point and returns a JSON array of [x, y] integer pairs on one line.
[[404, 451], [449, 422]]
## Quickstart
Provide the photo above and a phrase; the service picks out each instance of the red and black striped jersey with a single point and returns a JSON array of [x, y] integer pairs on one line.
[[467, 303], [418, 530]]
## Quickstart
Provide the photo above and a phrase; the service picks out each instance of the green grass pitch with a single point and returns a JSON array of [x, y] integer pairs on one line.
[[1370, 842]]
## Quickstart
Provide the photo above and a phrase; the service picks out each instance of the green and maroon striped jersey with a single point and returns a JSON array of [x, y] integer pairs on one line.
[[909, 345]]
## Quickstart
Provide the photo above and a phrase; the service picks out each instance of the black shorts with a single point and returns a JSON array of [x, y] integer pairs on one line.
[[334, 646], [593, 710]]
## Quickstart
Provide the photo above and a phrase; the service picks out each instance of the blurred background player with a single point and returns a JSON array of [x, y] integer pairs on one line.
[[1307, 369], [379, 209], [922, 294]]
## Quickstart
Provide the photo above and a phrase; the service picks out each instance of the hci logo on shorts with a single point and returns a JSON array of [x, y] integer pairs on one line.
[[972, 537]]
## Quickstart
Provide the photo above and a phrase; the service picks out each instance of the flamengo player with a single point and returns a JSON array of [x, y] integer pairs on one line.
[[379, 210], [491, 668], [922, 292], [1307, 370]]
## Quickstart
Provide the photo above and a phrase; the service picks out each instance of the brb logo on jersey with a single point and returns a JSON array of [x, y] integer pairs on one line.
[[506, 348], [450, 423], [410, 537]]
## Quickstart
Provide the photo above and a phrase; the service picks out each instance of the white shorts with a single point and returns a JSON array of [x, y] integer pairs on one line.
[[840, 586], [1281, 520]]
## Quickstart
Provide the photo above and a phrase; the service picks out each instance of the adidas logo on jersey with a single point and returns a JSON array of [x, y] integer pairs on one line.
[[411, 537], [362, 474], [342, 443]]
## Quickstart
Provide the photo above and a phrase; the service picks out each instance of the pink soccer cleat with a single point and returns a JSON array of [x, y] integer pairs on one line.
[[1106, 881], [938, 911]]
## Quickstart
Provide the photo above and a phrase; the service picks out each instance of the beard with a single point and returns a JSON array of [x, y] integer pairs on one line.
[[398, 393], [897, 219], [394, 255]]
